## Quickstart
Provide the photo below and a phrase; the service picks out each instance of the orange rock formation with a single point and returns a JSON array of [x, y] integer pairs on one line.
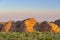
[[54, 28], [29, 23], [7, 26]]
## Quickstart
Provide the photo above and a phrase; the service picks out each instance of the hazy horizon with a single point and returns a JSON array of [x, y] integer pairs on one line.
[[42, 10]]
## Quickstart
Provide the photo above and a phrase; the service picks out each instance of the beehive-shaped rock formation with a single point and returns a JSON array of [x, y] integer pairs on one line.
[[54, 28], [29, 23], [44, 26], [8, 26]]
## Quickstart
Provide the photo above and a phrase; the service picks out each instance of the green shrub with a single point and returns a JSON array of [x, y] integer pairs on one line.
[[29, 36]]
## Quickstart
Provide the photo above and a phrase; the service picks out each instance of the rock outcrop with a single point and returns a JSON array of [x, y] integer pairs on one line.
[[20, 26], [30, 23], [57, 22], [54, 28], [9, 27], [44, 27]]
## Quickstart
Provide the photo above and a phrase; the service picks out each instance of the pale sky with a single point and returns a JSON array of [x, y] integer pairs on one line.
[[21, 9]]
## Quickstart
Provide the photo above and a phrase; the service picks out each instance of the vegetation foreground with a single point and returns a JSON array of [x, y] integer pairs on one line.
[[29, 36]]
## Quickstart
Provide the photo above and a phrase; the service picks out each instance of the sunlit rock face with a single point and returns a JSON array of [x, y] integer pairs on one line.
[[54, 28], [57, 22], [30, 23], [10, 26]]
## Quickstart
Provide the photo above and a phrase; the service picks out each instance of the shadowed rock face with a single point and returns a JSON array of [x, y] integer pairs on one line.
[[58, 22], [54, 28], [44, 27], [1, 27], [20, 26], [10, 26], [18, 23], [37, 27]]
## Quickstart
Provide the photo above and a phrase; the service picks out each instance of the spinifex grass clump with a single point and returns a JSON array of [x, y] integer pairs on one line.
[[29, 36]]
